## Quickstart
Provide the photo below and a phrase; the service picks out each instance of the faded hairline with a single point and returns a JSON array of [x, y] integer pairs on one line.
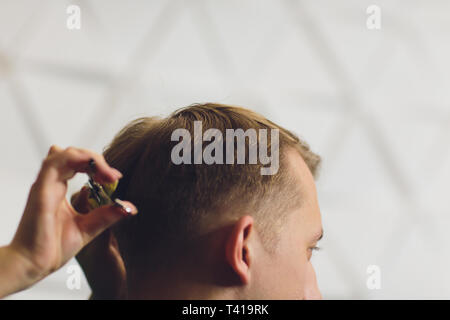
[[135, 148]]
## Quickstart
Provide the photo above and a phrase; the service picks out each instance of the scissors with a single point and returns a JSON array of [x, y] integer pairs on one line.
[[100, 195]]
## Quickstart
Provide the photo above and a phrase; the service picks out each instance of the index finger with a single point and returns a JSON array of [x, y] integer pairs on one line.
[[61, 165]]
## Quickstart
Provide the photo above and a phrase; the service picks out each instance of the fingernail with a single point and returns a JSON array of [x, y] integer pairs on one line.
[[118, 173], [127, 208]]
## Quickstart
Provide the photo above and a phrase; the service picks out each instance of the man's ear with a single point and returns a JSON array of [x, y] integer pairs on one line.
[[237, 248]]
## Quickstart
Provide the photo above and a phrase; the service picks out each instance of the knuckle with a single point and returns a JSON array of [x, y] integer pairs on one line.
[[53, 150], [71, 150]]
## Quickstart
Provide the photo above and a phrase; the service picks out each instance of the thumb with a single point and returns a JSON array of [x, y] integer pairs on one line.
[[100, 219]]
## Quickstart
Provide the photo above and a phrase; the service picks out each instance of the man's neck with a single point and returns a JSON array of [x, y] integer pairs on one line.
[[177, 289]]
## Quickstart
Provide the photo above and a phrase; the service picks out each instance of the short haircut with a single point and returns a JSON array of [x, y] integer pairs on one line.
[[180, 202]]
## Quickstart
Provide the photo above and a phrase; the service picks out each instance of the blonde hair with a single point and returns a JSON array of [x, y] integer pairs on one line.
[[179, 202]]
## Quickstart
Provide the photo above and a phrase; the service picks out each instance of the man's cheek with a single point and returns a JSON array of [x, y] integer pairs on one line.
[[295, 276], [311, 287]]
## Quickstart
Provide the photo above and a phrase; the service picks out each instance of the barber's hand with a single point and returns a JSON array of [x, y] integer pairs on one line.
[[51, 232], [100, 259]]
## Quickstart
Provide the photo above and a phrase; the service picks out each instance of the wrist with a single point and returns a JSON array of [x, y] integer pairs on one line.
[[16, 271]]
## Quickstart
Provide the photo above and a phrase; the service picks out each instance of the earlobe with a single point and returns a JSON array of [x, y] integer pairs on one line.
[[237, 248]]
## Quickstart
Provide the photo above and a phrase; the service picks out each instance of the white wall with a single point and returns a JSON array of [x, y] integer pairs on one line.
[[373, 103]]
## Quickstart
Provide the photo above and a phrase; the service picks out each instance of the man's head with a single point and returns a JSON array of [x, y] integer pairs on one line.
[[216, 230]]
